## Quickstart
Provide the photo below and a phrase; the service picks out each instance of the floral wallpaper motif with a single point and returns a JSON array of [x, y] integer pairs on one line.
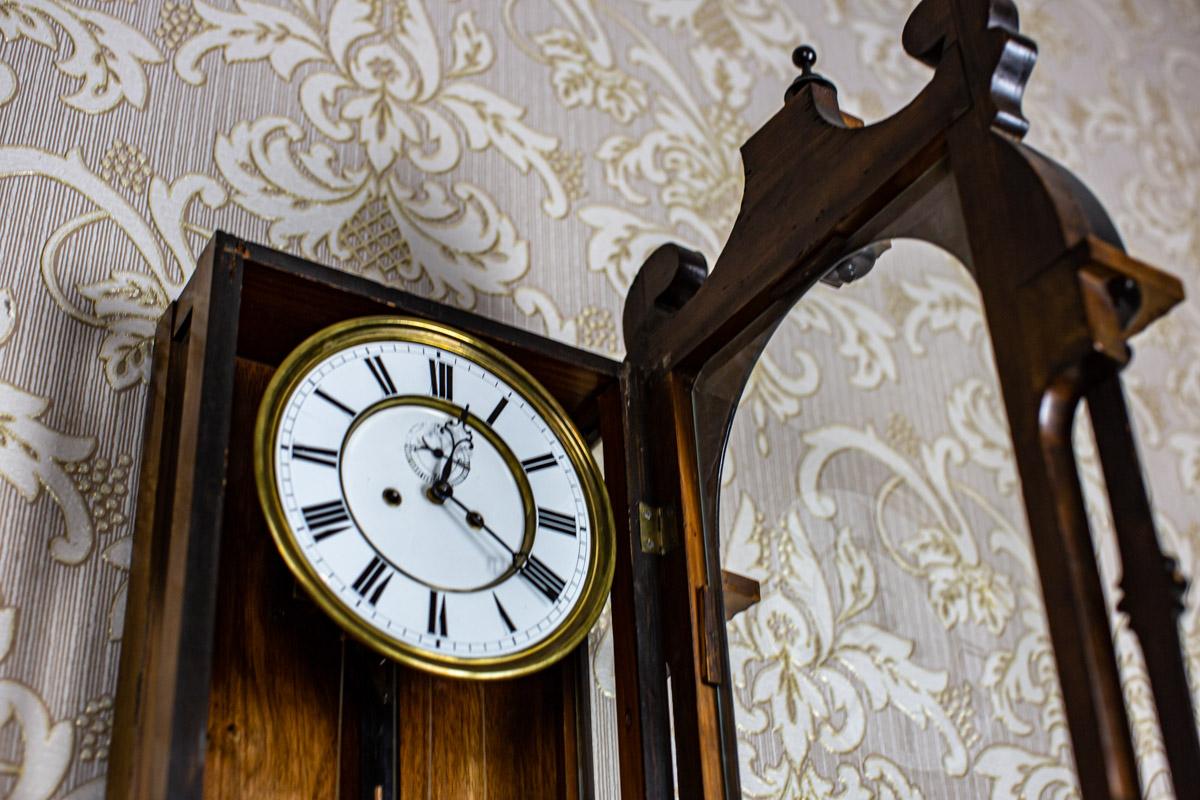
[[521, 158]]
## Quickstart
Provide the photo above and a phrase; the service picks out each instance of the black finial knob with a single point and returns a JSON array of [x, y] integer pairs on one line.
[[804, 57]]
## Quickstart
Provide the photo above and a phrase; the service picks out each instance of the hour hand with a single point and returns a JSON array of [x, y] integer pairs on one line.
[[462, 419], [445, 459], [449, 465], [437, 452]]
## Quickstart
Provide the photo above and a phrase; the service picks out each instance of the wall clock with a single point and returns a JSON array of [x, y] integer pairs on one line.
[[233, 685], [234, 681], [433, 498]]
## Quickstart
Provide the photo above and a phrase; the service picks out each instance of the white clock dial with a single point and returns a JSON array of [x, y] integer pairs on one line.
[[433, 500]]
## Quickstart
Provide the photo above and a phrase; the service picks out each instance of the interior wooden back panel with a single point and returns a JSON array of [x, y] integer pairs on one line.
[[273, 706], [502, 741]]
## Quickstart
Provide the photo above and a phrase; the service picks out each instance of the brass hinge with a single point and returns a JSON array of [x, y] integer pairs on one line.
[[657, 527]]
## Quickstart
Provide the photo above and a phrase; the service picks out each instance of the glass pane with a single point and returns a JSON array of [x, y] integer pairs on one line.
[[900, 646], [602, 700]]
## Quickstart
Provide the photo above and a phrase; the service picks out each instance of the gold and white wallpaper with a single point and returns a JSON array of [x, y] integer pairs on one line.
[[521, 158]]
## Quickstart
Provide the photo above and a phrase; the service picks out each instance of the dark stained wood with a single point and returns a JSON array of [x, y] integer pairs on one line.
[[681, 573], [370, 724], [740, 593], [415, 696], [163, 692], [639, 654], [212, 351], [1058, 293], [127, 767], [701, 697], [1088, 673], [1147, 294], [862, 170], [304, 298], [273, 705], [1152, 586]]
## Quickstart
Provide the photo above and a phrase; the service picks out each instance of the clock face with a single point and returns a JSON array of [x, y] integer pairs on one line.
[[433, 498]]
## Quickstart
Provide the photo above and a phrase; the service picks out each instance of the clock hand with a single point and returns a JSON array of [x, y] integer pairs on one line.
[[444, 478], [436, 451], [475, 520], [524, 563]]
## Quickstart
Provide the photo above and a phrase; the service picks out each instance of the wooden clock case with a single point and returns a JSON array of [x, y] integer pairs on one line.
[[234, 684]]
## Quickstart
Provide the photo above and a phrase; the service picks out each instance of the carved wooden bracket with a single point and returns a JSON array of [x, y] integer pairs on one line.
[[823, 195]]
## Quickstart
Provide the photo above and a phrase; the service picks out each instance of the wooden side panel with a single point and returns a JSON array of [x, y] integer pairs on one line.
[[163, 696], [273, 708], [696, 669], [126, 767], [640, 662]]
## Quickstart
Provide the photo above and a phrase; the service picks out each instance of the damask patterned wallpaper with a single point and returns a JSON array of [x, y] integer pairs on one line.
[[521, 158]]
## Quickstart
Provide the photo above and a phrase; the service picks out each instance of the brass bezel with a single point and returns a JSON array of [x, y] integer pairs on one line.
[[349, 333]]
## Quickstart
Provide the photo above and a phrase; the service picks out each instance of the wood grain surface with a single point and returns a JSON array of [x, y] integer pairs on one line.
[[273, 707]]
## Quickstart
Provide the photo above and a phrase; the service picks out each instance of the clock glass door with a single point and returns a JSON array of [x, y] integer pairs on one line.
[[869, 486]]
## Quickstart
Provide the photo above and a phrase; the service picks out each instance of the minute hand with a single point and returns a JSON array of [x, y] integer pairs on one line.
[[527, 565], [475, 520]]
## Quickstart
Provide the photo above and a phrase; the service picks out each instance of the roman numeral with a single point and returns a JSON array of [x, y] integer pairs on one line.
[[492, 417], [375, 364], [538, 462], [508, 623], [552, 520], [334, 402], [437, 619], [542, 578], [326, 519], [441, 380], [317, 455], [368, 579]]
